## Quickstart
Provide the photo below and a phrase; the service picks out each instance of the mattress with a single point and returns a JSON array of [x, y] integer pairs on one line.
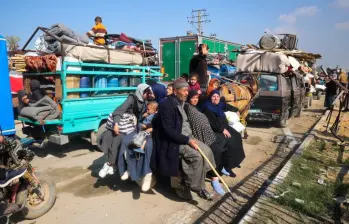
[[85, 53], [258, 61]]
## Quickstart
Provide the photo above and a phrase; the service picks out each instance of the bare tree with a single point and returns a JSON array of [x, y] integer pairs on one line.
[[12, 43]]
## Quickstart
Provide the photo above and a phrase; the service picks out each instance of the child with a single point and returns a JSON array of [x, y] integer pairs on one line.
[[194, 82], [169, 89], [152, 109], [98, 32], [213, 85]]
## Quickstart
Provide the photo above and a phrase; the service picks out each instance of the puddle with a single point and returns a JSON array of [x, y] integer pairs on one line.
[[253, 140], [92, 187], [64, 173]]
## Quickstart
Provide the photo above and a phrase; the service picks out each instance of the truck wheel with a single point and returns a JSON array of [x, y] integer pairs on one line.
[[282, 123], [318, 95], [300, 112], [96, 137]]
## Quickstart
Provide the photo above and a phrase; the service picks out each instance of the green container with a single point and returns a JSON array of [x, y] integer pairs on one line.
[[176, 52]]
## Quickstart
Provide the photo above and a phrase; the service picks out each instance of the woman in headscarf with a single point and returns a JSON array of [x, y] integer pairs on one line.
[[112, 137], [159, 90], [214, 110], [202, 131]]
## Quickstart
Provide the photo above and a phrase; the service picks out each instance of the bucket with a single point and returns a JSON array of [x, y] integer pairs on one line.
[[85, 82], [135, 81], [73, 81], [227, 70], [123, 82]]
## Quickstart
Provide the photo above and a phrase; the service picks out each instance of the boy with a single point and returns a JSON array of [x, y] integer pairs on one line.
[[98, 32], [152, 109], [193, 82], [170, 89]]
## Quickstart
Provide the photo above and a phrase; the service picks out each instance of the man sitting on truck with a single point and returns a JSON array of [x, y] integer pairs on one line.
[[98, 32]]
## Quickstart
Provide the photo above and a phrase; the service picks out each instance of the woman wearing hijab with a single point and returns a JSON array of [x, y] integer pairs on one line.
[[202, 131], [159, 90], [112, 137], [214, 110]]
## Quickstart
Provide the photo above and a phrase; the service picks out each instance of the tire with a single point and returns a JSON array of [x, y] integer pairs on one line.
[[318, 95], [300, 112], [96, 136], [35, 211], [282, 123]]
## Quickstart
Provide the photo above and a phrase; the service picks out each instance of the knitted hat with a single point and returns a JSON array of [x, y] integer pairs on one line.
[[180, 83], [192, 93]]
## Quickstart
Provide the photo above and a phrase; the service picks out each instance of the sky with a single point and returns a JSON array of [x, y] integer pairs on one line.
[[322, 26]]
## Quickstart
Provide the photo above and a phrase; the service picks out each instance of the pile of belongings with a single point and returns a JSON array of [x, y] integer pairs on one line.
[[49, 43], [46, 63], [258, 60], [124, 42], [17, 63]]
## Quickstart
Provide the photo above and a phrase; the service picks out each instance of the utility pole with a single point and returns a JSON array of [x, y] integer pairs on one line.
[[199, 19]]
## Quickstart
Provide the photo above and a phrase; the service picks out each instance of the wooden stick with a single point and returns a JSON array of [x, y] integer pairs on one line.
[[215, 171]]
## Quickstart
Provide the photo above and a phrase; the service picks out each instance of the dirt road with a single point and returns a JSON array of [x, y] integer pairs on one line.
[[82, 198]]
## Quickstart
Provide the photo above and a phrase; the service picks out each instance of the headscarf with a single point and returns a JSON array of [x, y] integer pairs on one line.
[[217, 109], [191, 94], [159, 91], [34, 85], [210, 86], [141, 89]]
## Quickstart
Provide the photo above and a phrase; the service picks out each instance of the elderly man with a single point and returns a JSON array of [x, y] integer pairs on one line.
[[175, 146]]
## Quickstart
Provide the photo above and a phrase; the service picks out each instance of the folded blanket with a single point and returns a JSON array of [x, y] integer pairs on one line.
[[44, 109]]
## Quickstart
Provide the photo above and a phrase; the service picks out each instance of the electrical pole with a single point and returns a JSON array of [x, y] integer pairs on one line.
[[199, 19]]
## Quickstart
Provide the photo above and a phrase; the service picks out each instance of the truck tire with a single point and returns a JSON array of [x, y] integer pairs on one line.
[[318, 95], [96, 137], [282, 123], [300, 112]]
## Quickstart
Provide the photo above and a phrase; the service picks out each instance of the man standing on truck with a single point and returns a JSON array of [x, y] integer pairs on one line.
[[198, 64], [98, 32]]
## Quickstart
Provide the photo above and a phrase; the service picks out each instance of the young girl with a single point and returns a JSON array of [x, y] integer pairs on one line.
[[194, 82]]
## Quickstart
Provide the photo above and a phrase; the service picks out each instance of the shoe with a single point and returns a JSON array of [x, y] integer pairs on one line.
[[12, 175], [147, 182], [125, 176], [106, 170], [224, 172], [184, 193], [139, 150], [205, 195], [217, 187], [232, 174], [7, 209]]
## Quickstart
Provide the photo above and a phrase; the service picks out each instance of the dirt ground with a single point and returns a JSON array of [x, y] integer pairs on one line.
[[83, 198]]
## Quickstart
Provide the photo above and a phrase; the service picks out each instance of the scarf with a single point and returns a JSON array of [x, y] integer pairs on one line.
[[210, 86], [217, 109], [159, 91], [140, 91]]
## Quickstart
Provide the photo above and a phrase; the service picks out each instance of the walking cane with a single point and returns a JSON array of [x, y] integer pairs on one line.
[[215, 171]]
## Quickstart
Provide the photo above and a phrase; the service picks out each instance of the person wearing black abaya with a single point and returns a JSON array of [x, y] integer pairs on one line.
[[214, 110]]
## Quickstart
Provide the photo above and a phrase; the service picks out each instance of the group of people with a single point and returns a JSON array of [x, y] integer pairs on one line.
[[169, 127], [332, 88]]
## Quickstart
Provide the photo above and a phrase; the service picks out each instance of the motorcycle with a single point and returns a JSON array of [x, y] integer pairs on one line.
[[34, 192]]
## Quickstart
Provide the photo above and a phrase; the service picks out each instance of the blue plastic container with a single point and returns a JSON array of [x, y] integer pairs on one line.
[[85, 82], [7, 122], [227, 70], [123, 82], [100, 81], [213, 69], [112, 82]]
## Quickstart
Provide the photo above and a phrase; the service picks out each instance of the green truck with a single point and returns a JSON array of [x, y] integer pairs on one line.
[[176, 52]]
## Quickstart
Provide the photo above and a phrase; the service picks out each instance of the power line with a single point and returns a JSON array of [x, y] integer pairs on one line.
[[199, 18]]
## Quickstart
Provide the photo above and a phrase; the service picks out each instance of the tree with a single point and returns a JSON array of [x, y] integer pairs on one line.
[[12, 43]]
